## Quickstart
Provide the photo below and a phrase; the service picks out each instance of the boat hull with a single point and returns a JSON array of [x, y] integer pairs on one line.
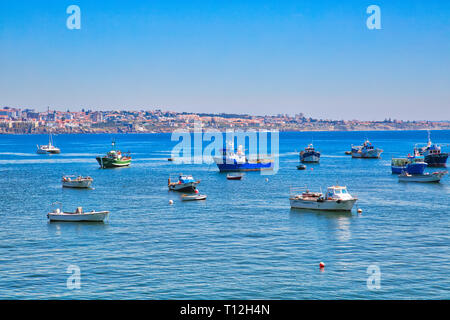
[[193, 198], [326, 205], [239, 177], [310, 157], [247, 166], [83, 217], [411, 168], [77, 184], [370, 154], [188, 186], [436, 160], [434, 177], [106, 162]]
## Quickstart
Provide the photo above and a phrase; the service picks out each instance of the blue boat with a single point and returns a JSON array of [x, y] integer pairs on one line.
[[410, 165], [231, 161], [432, 154], [310, 155]]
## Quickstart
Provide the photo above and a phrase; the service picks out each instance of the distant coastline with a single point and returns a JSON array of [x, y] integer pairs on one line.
[[28, 121]]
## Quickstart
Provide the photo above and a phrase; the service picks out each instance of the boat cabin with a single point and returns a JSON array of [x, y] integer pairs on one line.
[[338, 192], [184, 178]]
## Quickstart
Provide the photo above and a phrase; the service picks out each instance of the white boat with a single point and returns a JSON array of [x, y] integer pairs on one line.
[[78, 216], [49, 148], [186, 197], [185, 183], [427, 177], [366, 150], [76, 182], [336, 198]]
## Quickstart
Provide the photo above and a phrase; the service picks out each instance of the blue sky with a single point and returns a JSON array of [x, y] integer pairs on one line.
[[257, 57]]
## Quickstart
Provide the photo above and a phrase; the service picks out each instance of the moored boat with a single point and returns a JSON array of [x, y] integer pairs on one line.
[[336, 198], [187, 197], [78, 216], [48, 148], [234, 176], [114, 158], [310, 155], [76, 181], [411, 165], [427, 177], [230, 161], [432, 154], [366, 151], [185, 183]]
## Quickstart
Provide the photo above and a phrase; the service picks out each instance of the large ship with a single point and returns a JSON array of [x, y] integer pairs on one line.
[[114, 158], [366, 150], [310, 155], [432, 154], [237, 161]]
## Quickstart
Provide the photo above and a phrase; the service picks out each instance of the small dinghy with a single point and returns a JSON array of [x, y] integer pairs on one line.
[[427, 177], [187, 197], [78, 216], [301, 167], [76, 182], [234, 176]]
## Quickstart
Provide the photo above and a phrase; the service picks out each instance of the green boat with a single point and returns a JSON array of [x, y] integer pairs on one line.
[[114, 159]]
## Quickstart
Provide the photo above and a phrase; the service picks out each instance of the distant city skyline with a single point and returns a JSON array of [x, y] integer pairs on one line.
[[258, 58]]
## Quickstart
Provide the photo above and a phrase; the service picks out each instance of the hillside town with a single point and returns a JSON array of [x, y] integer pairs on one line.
[[29, 121]]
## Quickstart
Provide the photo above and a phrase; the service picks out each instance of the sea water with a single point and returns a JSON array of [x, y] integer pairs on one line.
[[243, 242]]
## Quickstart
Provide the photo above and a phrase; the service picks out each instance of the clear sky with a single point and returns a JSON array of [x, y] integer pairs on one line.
[[256, 56]]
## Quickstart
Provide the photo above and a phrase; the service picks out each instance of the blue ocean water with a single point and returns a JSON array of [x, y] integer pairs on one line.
[[243, 242]]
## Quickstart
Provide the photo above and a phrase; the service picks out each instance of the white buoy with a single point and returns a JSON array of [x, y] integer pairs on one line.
[[267, 179], [359, 210], [170, 201]]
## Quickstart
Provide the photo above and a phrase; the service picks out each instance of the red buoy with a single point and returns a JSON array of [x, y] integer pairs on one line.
[[321, 265]]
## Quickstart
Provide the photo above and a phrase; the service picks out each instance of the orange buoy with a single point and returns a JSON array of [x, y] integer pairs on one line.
[[321, 265]]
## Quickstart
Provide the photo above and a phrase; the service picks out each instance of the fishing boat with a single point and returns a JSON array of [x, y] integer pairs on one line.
[[186, 197], [310, 155], [78, 216], [234, 176], [366, 151], [48, 148], [427, 177], [336, 198], [237, 161], [432, 154], [114, 158], [73, 181], [411, 165], [185, 183]]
